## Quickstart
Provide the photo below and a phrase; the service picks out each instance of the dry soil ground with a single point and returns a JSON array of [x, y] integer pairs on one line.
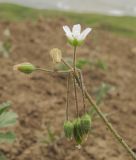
[[39, 99]]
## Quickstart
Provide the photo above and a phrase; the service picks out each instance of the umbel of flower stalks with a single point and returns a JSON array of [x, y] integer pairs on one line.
[[26, 68], [56, 55]]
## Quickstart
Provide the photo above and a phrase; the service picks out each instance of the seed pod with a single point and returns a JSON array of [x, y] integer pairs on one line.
[[68, 129], [56, 55], [25, 68], [85, 123], [77, 131]]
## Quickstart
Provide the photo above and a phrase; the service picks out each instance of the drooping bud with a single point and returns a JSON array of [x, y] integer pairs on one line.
[[85, 123], [68, 129], [56, 55], [77, 131], [25, 68]]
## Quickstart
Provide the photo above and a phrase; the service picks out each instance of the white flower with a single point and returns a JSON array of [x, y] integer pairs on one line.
[[76, 37]]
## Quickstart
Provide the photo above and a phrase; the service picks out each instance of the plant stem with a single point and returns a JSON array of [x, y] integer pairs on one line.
[[69, 66], [105, 120], [75, 88], [82, 89], [68, 89], [110, 127], [45, 70], [52, 71], [76, 100], [74, 59]]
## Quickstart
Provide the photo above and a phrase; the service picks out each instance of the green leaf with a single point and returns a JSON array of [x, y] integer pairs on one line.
[[7, 137], [4, 106], [7, 119]]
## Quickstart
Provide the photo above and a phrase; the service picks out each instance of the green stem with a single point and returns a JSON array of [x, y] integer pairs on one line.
[[74, 59], [75, 88]]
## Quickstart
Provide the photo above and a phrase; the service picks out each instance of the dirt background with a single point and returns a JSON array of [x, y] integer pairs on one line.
[[39, 99]]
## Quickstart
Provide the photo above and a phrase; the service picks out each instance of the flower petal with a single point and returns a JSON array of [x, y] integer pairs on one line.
[[68, 32], [76, 28], [85, 33], [76, 31]]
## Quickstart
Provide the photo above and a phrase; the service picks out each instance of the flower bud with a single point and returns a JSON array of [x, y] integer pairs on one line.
[[68, 129], [56, 55], [25, 68], [85, 123], [77, 131]]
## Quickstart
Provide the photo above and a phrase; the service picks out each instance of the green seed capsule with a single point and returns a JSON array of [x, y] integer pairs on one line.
[[77, 131], [25, 68], [68, 129], [85, 123]]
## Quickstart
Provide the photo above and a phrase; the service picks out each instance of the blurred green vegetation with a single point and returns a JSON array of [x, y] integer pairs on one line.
[[124, 25], [82, 62], [100, 94], [2, 156], [51, 137], [7, 119]]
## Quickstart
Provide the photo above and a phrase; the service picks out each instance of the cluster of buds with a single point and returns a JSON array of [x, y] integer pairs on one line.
[[78, 129]]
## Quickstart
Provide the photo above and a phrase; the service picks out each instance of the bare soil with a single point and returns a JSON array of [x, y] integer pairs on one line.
[[39, 99]]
